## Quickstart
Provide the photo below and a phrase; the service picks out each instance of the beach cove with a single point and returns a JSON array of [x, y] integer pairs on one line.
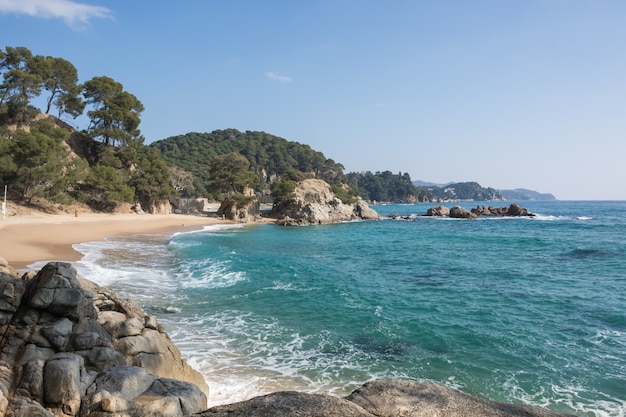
[[517, 310], [37, 237]]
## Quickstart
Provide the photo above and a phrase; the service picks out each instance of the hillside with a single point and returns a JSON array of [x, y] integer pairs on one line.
[[271, 158], [524, 194], [474, 191]]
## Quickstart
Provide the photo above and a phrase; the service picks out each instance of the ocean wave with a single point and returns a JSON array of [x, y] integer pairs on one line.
[[210, 228], [242, 355], [207, 273]]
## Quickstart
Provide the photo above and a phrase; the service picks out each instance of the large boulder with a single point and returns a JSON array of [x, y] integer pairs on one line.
[[242, 209], [389, 398], [438, 211], [313, 202], [61, 337], [365, 212], [458, 212]]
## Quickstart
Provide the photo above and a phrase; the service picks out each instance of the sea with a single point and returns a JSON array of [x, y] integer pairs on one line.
[[528, 310]]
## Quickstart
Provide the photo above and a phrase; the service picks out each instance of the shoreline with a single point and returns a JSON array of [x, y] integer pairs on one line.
[[26, 239]]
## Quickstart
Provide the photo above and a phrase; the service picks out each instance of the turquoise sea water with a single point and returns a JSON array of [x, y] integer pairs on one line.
[[525, 310]]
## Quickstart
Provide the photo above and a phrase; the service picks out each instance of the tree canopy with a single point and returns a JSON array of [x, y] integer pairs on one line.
[[41, 156], [270, 157], [115, 112]]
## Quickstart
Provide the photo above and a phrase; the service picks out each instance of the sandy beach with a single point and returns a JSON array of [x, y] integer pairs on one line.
[[25, 239]]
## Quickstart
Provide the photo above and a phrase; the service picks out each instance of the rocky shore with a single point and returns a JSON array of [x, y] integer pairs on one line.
[[69, 347], [458, 212]]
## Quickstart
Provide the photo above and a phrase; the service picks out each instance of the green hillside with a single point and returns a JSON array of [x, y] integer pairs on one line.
[[271, 158]]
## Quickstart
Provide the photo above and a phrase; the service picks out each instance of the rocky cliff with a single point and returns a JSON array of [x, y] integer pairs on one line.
[[71, 348], [313, 202]]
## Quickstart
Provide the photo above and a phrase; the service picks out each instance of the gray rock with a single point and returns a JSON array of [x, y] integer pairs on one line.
[[365, 212], [391, 398], [313, 202], [62, 384], [458, 212], [125, 381], [57, 353], [438, 211], [289, 404]]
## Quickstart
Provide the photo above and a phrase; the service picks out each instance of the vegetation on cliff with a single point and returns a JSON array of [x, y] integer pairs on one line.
[[41, 156], [271, 159]]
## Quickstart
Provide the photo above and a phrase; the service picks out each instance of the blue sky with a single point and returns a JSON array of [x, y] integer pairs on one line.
[[507, 93]]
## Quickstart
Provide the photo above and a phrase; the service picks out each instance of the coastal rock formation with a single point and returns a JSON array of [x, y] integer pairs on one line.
[[365, 212], [313, 202], [438, 211], [68, 349], [242, 210], [514, 210], [389, 398], [189, 205], [458, 212]]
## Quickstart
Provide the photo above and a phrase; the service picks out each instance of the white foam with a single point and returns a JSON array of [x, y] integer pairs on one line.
[[208, 273], [211, 228]]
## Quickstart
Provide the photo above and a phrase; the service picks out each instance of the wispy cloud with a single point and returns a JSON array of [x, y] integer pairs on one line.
[[76, 15], [274, 76]]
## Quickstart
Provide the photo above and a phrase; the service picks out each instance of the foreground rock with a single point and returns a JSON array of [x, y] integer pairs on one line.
[[378, 399], [72, 350], [313, 202]]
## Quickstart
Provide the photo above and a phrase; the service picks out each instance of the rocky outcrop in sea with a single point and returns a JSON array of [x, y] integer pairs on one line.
[[71, 348], [458, 212], [313, 202]]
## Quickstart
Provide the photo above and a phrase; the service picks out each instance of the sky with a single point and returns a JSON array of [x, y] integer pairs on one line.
[[507, 93]]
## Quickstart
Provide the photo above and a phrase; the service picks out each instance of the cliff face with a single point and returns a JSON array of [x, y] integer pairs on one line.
[[313, 202], [68, 349]]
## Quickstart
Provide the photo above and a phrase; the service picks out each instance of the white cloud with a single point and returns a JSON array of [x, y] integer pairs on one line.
[[274, 76], [76, 15]]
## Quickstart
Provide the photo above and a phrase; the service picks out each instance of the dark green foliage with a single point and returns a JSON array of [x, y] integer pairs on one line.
[[60, 78], [270, 157], [465, 191], [347, 195], [115, 112], [151, 179], [24, 75], [107, 187], [38, 163], [35, 157], [230, 173], [284, 189], [387, 186]]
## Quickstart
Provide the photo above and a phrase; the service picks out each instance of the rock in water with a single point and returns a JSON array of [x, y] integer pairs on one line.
[[313, 202]]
